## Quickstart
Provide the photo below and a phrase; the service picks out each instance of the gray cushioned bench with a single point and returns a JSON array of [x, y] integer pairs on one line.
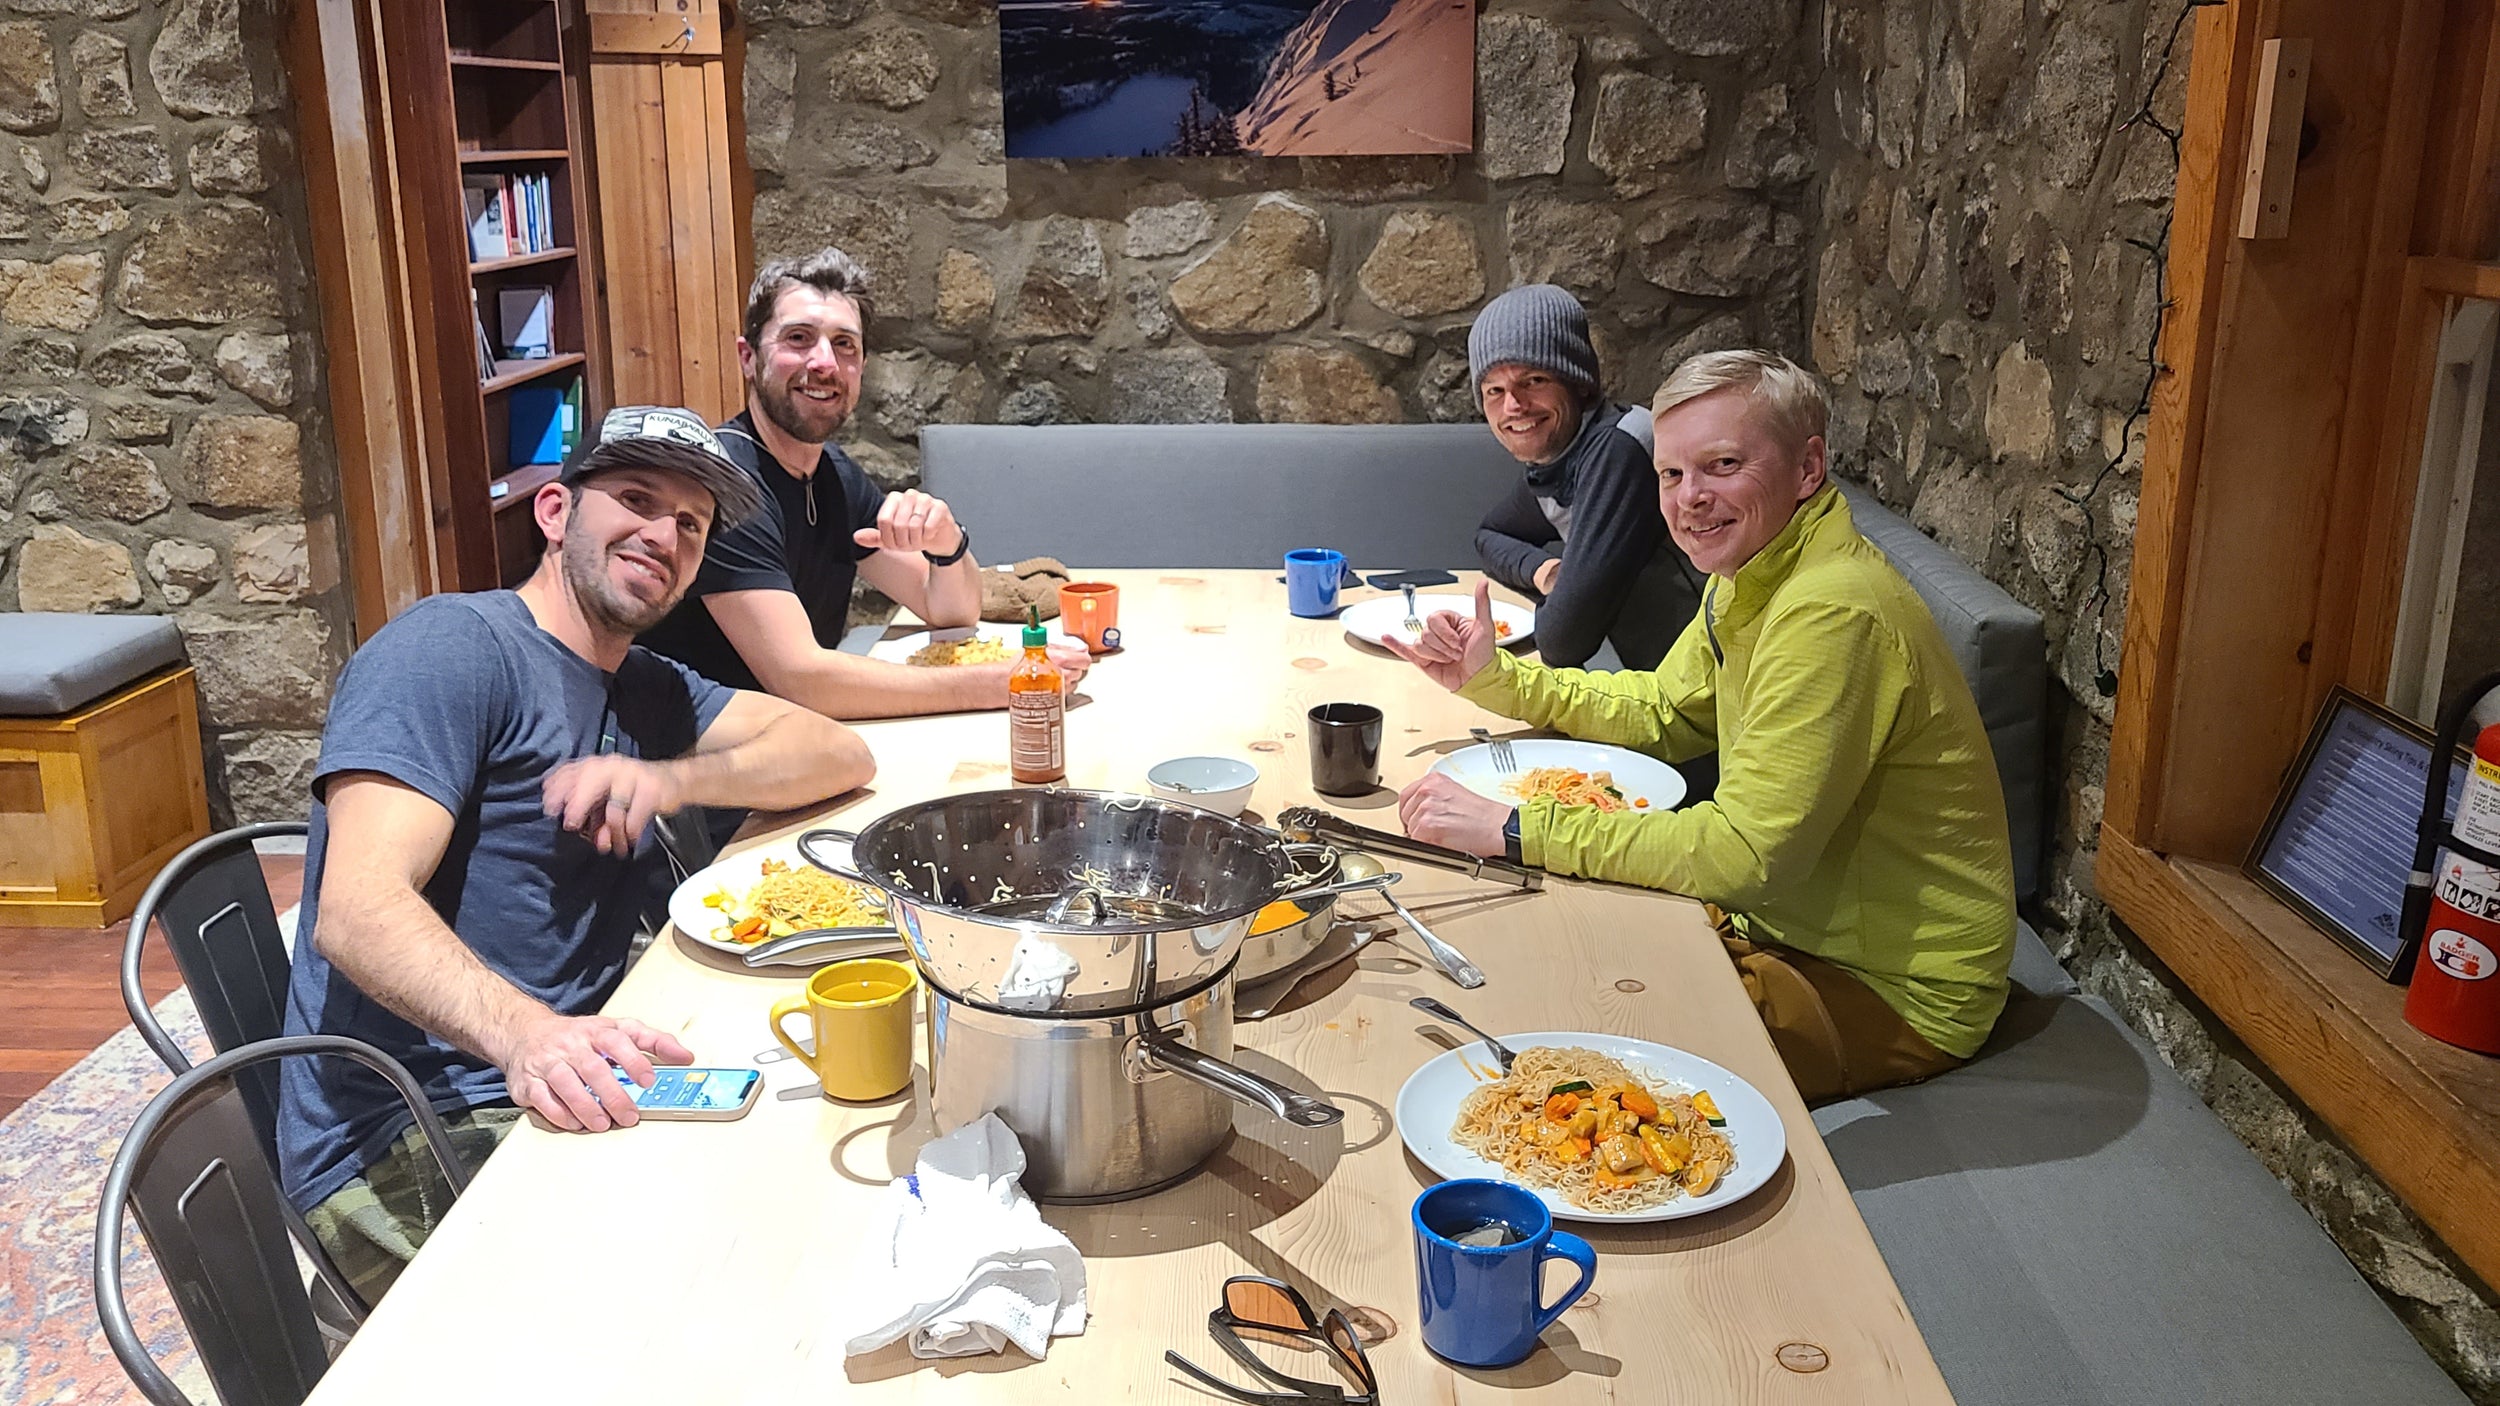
[[2067, 1220], [1388, 496]]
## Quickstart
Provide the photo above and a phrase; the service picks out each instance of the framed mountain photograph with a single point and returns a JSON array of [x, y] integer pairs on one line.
[[1097, 78]]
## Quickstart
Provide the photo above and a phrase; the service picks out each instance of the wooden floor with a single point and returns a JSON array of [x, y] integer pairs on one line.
[[60, 989]]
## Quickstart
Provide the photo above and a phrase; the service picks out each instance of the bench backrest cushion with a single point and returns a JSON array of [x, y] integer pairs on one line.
[[1100, 496], [2003, 651], [52, 662]]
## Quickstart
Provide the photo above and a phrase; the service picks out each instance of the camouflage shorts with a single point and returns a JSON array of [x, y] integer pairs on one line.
[[373, 1225]]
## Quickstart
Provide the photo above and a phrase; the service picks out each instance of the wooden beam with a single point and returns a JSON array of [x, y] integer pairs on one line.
[[357, 266], [2424, 1116], [2215, 126]]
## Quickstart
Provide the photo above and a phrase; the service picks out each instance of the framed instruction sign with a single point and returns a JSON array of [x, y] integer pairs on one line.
[[2339, 842]]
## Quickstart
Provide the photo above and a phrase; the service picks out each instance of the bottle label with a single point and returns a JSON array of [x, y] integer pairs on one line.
[[1036, 732]]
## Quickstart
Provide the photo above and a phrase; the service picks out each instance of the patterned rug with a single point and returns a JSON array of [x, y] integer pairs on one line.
[[54, 1151]]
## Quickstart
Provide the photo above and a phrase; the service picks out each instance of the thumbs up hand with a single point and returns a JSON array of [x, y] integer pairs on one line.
[[1453, 648]]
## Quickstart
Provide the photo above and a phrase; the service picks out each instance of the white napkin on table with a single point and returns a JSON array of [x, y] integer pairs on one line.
[[958, 1257]]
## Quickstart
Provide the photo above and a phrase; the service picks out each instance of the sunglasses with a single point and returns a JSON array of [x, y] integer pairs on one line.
[[1256, 1307]]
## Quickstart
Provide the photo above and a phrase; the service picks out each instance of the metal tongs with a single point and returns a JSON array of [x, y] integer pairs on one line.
[[1310, 822]]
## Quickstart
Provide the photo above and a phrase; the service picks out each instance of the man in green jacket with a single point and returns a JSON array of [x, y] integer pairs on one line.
[[1857, 842]]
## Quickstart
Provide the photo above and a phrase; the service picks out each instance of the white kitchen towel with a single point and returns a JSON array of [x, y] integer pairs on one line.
[[958, 1257]]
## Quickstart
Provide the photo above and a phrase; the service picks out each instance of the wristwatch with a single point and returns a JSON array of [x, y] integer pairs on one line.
[[1510, 838], [963, 544]]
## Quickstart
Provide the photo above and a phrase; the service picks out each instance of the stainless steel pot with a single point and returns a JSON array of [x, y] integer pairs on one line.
[[1106, 1106]]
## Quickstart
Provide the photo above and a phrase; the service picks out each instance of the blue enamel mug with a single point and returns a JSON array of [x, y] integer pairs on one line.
[[1480, 1253], [1311, 578]]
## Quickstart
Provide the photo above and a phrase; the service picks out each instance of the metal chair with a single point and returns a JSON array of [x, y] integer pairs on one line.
[[194, 1172]]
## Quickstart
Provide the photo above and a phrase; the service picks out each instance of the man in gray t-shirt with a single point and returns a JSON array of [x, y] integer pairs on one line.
[[480, 853]]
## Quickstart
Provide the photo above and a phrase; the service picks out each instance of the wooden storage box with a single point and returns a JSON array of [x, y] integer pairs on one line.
[[94, 801]]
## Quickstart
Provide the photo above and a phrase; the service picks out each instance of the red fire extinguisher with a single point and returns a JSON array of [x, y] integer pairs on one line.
[[2454, 996]]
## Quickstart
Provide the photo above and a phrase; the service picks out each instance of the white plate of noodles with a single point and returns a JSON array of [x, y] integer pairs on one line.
[[771, 884], [989, 642], [1459, 1107], [1575, 773]]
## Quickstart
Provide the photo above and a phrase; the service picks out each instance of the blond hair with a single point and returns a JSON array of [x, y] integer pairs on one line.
[[1785, 395]]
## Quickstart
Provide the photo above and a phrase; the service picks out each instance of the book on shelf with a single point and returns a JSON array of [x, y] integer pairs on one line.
[[527, 314], [508, 215], [485, 344]]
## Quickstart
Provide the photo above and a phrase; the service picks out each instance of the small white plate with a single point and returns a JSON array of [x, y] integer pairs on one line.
[[709, 926], [1638, 777], [1428, 1106], [1376, 619], [900, 650]]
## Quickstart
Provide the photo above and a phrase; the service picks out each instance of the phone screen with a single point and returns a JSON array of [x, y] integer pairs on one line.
[[693, 1090]]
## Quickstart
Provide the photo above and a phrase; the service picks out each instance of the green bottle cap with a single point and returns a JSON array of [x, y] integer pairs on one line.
[[1035, 637]]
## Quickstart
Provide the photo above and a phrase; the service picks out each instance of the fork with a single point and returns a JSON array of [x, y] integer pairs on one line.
[[1414, 623], [1503, 760]]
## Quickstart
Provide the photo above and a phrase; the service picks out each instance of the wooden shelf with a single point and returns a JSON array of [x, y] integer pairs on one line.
[[519, 484], [544, 256], [523, 65], [2425, 1116], [497, 158], [510, 373]]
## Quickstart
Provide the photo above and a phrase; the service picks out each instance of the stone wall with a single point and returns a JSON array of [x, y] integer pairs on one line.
[[162, 444], [1988, 250], [1647, 155]]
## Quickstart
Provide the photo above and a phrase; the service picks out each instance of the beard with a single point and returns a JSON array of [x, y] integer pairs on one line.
[[602, 603], [807, 421]]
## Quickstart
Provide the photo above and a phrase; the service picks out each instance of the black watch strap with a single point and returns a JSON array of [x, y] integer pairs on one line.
[[962, 545], [1510, 838]]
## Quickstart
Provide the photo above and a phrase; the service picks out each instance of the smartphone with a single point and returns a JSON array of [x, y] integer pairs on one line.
[[702, 1095]]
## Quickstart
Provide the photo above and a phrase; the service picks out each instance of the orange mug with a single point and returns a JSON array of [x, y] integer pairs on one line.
[[1090, 610]]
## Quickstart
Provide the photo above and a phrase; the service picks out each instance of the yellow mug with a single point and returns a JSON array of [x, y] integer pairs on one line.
[[862, 1013]]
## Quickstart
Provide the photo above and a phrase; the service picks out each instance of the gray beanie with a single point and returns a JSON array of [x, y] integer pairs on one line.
[[1539, 325]]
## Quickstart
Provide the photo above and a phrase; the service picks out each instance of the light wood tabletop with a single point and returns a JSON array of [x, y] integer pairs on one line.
[[703, 1262]]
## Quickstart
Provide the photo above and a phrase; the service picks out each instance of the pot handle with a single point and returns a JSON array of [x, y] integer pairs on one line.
[[807, 851], [1161, 1051]]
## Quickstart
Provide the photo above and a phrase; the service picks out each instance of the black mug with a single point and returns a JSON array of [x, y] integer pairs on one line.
[[1345, 749]]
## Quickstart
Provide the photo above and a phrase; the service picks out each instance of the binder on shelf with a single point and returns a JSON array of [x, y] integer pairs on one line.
[[537, 425], [528, 312], [573, 413]]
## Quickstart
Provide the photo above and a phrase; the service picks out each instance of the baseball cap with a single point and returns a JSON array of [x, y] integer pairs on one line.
[[667, 437]]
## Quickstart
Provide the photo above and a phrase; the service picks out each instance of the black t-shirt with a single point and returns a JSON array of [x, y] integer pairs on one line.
[[776, 550]]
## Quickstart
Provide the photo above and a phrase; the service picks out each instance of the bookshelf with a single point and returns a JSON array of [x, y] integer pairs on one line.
[[495, 134]]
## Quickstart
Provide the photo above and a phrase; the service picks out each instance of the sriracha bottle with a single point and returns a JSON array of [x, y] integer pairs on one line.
[[1037, 711]]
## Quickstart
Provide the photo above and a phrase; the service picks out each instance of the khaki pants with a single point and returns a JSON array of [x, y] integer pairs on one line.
[[1836, 1036], [374, 1225]]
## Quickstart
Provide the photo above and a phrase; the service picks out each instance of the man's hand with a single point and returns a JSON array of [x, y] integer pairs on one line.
[[1440, 811], [1071, 660], [1546, 576], [1453, 648], [559, 1067], [912, 521], [608, 799]]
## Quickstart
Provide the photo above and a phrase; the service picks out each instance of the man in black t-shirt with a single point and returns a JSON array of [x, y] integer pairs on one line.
[[770, 607]]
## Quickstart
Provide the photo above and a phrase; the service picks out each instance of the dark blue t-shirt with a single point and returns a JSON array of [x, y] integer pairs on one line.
[[467, 700]]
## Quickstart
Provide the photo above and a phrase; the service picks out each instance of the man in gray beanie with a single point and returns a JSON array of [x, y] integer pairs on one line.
[[1581, 532]]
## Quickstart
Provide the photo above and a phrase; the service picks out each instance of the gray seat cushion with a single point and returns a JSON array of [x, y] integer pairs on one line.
[[1094, 496], [2036, 970], [52, 662], [2070, 1225], [2003, 652]]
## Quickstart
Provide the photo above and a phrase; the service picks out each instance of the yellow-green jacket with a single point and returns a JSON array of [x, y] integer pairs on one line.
[[1858, 816]]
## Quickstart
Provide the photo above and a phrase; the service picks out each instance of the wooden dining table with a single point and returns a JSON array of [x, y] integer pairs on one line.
[[679, 1262]]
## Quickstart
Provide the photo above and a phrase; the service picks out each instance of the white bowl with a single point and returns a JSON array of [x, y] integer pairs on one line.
[[1219, 784]]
